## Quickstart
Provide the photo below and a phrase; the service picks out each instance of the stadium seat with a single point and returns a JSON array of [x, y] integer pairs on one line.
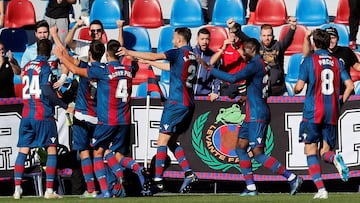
[[149, 18], [142, 91], [357, 87], [107, 11], [165, 76], [217, 36], [355, 75], [311, 12], [19, 13], [225, 9], [165, 39], [270, 12], [84, 35], [137, 38], [297, 44], [186, 13], [293, 72], [342, 31], [14, 39], [342, 12], [252, 31]]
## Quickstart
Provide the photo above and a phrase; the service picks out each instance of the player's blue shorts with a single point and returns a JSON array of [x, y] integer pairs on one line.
[[82, 134], [175, 119], [112, 137], [34, 133], [315, 133], [255, 132]]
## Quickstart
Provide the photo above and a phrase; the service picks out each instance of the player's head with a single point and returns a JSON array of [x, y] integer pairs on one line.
[[334, 36], [96, 50], [203, 39], [182, 36], [321, 39], [112, 48], [44, 47], [42, 30], [251, 47], [266, 34], [96, 30]]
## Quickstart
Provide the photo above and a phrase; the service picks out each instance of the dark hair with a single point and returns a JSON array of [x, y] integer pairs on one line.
[[97, 49], [321, 39], [184, 32], [112, 48], [41, 23], [253, 43], [97, 22], [204, 31], [44, 47]]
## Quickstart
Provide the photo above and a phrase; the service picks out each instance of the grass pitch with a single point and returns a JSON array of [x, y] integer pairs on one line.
[[197, 198]]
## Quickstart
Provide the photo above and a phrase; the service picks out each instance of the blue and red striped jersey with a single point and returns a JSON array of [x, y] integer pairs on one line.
[[183, 65], [114, 86], [85, 103], [323, 74], [36, 74], [256, 74]]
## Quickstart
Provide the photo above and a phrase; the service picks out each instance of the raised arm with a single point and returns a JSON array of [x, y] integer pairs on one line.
[[143, 55], [159, 65], [69, 39], [14, 64], [307, 43], [64, 57], [120, 24]]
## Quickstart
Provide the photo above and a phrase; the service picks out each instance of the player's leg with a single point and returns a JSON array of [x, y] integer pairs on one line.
[[83, 132], [310, 134], [160, 161], [329, 141], [245, 161], [26, 137], [102, 142], [257, 144]]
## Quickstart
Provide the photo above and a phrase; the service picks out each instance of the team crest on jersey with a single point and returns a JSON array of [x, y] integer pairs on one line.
[[215, 141]]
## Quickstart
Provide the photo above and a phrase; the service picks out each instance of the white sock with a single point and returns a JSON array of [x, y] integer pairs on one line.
[[251, 187], [49, 190], [157, 179], [17, 187], [292, 177]]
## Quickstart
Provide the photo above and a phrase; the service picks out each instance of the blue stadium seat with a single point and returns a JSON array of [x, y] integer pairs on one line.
[[186, 13], [137, 38], [225, 9], [252, 31], [165, 39], [107, 11], [16, 40], [311, 12], [342, 31], [165, 77], [357, 87], [293, 72], [142, 91]]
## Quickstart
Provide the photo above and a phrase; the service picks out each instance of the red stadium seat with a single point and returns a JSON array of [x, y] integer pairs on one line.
[[84, 35], [146, 13], [145, 71], [270, 12], [19, 13], [343, 12], [217, 36], [297, 44]]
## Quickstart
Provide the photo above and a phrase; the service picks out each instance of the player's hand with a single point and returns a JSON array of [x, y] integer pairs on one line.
[[226, 42], [213, 96], [60, 82], [122, 51], [79, 23], [120, 23], [10, 56], [308, 34], [230, 22]]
